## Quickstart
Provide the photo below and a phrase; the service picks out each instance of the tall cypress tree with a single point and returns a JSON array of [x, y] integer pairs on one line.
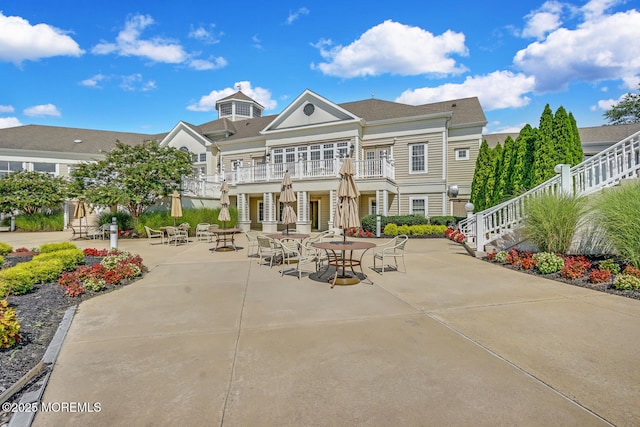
[[503, 179], [543, 163], [480, 177], [578, 153], [563, 139], [496, 166]]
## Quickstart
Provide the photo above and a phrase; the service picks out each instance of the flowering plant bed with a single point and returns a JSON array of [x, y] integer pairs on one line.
[[41, 310], [598, 273]]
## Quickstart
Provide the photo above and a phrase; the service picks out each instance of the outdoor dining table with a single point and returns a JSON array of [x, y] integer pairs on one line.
[[338, 258], [222, 235], [295, 236]]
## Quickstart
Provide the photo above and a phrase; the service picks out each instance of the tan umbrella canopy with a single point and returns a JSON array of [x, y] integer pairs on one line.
[[287, 196], [80, 212], [176, 206], [224, 201], [346, 213]]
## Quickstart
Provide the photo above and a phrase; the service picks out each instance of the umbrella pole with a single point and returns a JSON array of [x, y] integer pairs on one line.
[[174, 222]]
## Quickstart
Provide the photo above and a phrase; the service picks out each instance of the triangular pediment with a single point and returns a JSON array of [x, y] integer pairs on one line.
[[185, 135], [309, 109]]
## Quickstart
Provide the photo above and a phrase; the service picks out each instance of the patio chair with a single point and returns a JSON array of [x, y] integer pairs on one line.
[[292, 254], [177, 235], [267, 248], [202, 230], [252, 241], [154, 234], [319, 255], [394, 248], [185, 226]]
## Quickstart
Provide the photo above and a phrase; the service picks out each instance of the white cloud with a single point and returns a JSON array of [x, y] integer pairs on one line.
[[602, 47], [93, 81], [293, 16], [136, 83], [203, 64], [42, 110], [394, 48], [596, 8], [129, 43], [500, 89], [6, 109], [9, 122], [257, 43], [206, 35], [543, 20], [20, 41], [260, 95]]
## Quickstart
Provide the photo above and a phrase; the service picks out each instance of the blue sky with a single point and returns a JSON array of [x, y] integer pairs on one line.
[[142, 66]]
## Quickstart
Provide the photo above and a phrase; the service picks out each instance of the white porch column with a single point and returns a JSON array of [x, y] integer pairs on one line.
[[244, 220], [269, 225], [304, 224], [385, 202], [332, 207]]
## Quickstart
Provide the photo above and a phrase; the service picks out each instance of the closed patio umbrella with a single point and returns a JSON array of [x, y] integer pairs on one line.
[[224, 201], [176, 206], [346, 212], [287, 196], [80, 212]]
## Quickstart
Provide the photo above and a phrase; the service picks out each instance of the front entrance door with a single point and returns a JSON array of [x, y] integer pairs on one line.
[[313, 208]]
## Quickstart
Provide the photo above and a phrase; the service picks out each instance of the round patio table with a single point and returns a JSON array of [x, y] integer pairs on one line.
[[280, 236], [342, 261]]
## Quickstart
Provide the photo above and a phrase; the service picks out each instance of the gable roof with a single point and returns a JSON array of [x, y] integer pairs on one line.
[[62, 139], [594, 139]]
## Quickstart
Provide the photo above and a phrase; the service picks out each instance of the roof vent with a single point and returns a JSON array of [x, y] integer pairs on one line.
[[77, 141]]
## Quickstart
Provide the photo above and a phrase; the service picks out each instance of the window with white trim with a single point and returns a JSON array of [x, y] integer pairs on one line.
[[226, 109], [203, 157], [6, 167], [418, 205], [462, 154], [243, 109], [418, 158], [49, 168]]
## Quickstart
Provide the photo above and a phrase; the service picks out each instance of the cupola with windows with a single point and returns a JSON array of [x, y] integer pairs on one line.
[[238, 107]]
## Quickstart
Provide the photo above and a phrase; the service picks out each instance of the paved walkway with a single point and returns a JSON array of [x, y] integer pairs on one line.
[[213, 339]]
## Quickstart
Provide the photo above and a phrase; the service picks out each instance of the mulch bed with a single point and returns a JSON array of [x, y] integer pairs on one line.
[[583, 282]]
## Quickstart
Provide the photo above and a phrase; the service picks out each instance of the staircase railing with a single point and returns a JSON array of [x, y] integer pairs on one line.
[[605, 169]]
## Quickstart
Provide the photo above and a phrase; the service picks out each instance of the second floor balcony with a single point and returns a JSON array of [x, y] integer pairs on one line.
[[209, 185]]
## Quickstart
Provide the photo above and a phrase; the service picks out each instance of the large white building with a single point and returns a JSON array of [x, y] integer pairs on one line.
[[407, 157]]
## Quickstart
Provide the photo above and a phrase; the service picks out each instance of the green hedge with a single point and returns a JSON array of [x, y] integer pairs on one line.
[[415, 230], [5, 248], [369, 222], [43, 268], [54, 247]]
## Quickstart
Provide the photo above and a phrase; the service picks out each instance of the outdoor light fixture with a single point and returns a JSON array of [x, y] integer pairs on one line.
[[453, 190], [352, 149]]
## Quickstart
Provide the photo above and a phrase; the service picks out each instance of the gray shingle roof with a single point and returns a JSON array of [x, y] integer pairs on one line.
[[62, 139], [597, 138]]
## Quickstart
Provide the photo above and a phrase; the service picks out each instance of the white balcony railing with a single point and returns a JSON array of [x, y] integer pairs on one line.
[[605, 169], [209, 185]]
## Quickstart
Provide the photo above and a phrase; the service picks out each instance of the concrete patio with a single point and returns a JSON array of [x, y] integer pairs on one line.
[[214, 339]]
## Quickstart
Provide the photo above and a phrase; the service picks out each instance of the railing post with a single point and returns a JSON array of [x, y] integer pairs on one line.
[[566, 184], [480, 233]]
